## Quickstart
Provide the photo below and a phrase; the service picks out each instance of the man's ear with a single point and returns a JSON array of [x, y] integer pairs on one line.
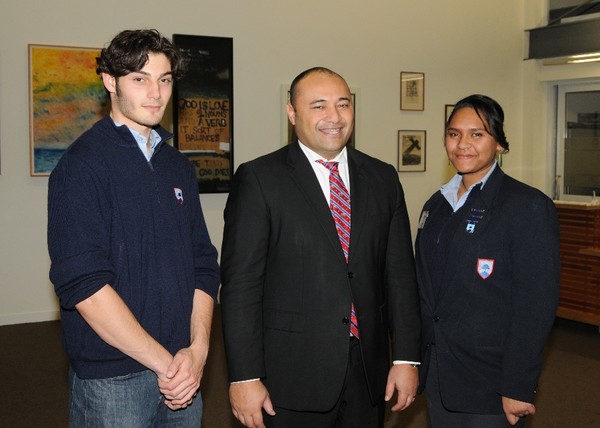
[[291, 113], [110, 82]]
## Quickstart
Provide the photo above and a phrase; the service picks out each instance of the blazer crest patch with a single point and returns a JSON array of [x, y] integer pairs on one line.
[[485, 268]]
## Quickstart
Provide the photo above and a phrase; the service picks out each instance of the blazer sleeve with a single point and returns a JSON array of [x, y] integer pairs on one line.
[[403, 299], [243, 262], [534, 252]]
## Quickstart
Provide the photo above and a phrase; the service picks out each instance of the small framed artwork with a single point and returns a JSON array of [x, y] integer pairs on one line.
[[447, 112], [411, 151], [66, 97], [412, 91], [203, 109]]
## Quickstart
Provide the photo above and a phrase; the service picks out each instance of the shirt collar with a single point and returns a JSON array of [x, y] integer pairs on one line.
[[450, 189], [341, 158], [140, 139]]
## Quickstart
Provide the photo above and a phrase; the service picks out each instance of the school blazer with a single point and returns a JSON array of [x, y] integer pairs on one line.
[[287, 290], [498, 297]]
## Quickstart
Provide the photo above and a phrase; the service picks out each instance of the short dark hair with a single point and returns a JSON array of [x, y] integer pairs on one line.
[[490, 113], [128, 53], [305, 73]]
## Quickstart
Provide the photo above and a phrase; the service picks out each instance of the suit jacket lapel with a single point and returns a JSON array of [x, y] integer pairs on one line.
[[426, 289], [359, 190], [304, 177]]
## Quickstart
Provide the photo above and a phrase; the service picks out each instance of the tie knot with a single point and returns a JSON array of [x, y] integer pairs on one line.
[[331, 166]]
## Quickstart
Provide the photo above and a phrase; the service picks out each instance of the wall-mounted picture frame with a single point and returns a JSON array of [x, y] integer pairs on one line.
[[412, 91], [412, 148], [287, 129], [0, 130], [66, 97], [447, 112], [203, 109]]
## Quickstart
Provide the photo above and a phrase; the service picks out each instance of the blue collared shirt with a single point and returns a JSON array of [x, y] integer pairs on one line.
[[450, 189], [141, 140]]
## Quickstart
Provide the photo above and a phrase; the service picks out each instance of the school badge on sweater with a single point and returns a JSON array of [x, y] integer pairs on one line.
[[178, 195], [485, 268]]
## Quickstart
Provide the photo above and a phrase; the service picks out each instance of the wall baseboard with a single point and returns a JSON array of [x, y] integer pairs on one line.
[[29, 317]]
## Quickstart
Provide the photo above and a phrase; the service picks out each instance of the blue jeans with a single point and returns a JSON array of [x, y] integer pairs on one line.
[[129, 401]]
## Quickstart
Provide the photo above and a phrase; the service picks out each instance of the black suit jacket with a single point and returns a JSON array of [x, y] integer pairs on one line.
[[287, 289], [489, 333]]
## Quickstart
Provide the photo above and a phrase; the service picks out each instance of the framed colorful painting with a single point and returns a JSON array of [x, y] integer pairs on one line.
[[66, 97], [203, 109]]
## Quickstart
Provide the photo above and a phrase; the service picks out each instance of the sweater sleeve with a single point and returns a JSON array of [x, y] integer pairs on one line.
[[206, 269], [78, 224]]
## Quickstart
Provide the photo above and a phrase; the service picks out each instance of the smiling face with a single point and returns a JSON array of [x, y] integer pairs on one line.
[[322, 114], [139, 99], [470, 147]]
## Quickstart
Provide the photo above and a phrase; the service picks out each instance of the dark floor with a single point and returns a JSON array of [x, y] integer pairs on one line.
[[33, 390]]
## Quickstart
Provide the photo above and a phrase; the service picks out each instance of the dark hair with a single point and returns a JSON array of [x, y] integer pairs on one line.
[[490, 113], [128, 53], [305, 73]]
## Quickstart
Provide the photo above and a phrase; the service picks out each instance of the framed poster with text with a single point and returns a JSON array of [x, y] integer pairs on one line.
[[203, 109]]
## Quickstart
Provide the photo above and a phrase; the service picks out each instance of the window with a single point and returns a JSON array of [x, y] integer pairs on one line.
[[578, 142]]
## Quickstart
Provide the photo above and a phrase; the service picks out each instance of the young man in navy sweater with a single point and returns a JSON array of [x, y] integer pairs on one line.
[[132, 262]]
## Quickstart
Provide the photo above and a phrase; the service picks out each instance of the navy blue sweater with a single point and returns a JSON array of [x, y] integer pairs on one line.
[[115, 218]]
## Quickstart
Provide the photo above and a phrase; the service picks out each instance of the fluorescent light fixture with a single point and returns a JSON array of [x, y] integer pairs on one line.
[[579, 61], [587, 55], [573, 59]]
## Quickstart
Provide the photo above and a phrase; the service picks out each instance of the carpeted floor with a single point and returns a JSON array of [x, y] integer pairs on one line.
[[33, 391]]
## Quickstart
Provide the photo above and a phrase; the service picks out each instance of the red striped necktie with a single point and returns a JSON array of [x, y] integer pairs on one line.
[[339, 204]]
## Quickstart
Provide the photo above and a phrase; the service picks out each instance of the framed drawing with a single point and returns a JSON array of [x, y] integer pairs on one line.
[[411, 150], [412, 91], [66, 97], [447, 112], [203, 109], [288, 134]]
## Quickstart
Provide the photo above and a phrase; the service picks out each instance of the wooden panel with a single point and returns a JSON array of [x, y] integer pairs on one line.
[[580, 263]]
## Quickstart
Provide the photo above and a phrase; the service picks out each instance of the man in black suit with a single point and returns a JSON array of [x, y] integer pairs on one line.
[[291, 281]]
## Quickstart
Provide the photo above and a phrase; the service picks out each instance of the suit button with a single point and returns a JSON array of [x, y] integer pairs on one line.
[[350, 275], [436, 318], [345, 320]]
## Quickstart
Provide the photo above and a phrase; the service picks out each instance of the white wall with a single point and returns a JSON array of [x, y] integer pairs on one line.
[[463, 47], [538, 100]]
